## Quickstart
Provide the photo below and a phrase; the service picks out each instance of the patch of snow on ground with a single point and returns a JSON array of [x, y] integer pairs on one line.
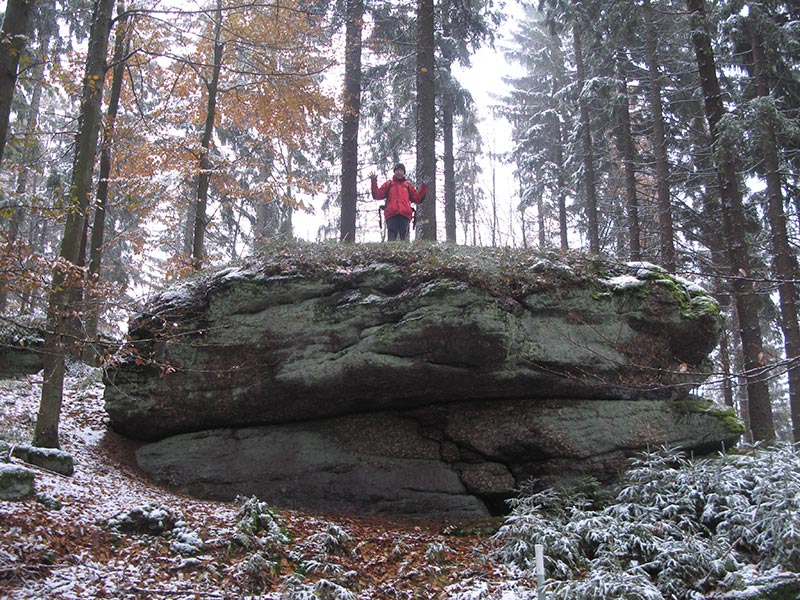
[[72, 553]]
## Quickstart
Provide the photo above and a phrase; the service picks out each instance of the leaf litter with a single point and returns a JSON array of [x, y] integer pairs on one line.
[[108, 531]]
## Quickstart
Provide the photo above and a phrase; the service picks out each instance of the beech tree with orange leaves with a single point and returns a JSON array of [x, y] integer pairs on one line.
[[259, 107], [267, 84]]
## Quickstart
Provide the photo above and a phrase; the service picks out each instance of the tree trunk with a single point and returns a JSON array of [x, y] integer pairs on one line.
[[558, 151], [350, 122], [626, 145], [12, 43], [666, 229], [286, 229], [28, 158], [65, 279], [449, 169], [561, 191], [733, 221], [426, 119], [540, 221], [593, 230], [447, 104], [101, 197], [204, 176], [187, 222], [784, 262], [725, 364], [493, 192]]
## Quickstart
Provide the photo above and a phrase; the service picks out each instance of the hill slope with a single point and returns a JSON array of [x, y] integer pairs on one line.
[[206, 549]]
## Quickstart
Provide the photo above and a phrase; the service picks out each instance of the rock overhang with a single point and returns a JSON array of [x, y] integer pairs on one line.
[[310, 334]]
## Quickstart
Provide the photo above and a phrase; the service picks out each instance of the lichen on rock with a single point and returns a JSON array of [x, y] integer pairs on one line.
[[301, 336]]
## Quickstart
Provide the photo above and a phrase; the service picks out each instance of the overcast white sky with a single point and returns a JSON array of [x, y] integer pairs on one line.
[[484, 80]]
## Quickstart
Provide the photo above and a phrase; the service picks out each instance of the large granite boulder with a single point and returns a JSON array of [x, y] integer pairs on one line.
[[456, 458], [412, 379]]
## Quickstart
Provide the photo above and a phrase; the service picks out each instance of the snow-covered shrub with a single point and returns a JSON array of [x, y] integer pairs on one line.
[[542, 518], [602, 584], [663, 485], [774, 529], [468, 590], [318, 565], [510, 586], [48, 501], [259, 533], [322, 589], [152, 519], [255, 570], [679, 528], [687, 566], [332, 539], [257, 527], [316, 555], [149, 518], [606, 540], [184, 541], [435, 552]]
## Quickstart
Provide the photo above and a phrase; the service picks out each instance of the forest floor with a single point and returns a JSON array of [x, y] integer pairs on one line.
[[70, 551]]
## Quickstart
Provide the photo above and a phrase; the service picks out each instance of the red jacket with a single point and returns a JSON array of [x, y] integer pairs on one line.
[[401, 195]]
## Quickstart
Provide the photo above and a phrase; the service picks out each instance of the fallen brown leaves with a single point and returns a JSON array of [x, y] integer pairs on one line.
[[71, 552]]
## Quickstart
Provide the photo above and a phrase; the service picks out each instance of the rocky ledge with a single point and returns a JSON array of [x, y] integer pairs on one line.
[[413, 379], [21, 349]]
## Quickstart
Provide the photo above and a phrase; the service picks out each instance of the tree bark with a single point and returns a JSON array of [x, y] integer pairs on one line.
[[101, 197], [629, 162], [666, 230], [350, 123], [558, 149], [204, 176], [12, 44], [593, 231], [493, 192], [28, 158], [540, 221], [784, 263], [561, 191], [286, 229], [448, 110], [725, 364], [733, 220], [449, 169], [426, 118], [65, 279]]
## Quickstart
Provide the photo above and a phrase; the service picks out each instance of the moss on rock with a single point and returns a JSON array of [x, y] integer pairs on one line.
[[727, 415]]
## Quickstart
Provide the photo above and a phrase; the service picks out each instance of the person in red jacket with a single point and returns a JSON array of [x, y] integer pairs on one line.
[[399, 194]]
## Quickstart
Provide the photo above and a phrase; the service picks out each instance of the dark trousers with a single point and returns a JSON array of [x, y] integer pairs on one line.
[[397, 227]]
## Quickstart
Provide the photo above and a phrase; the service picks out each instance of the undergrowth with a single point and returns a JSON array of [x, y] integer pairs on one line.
[[678, 529]]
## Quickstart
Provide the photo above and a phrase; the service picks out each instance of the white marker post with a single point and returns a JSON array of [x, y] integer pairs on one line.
[[539, 549]]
